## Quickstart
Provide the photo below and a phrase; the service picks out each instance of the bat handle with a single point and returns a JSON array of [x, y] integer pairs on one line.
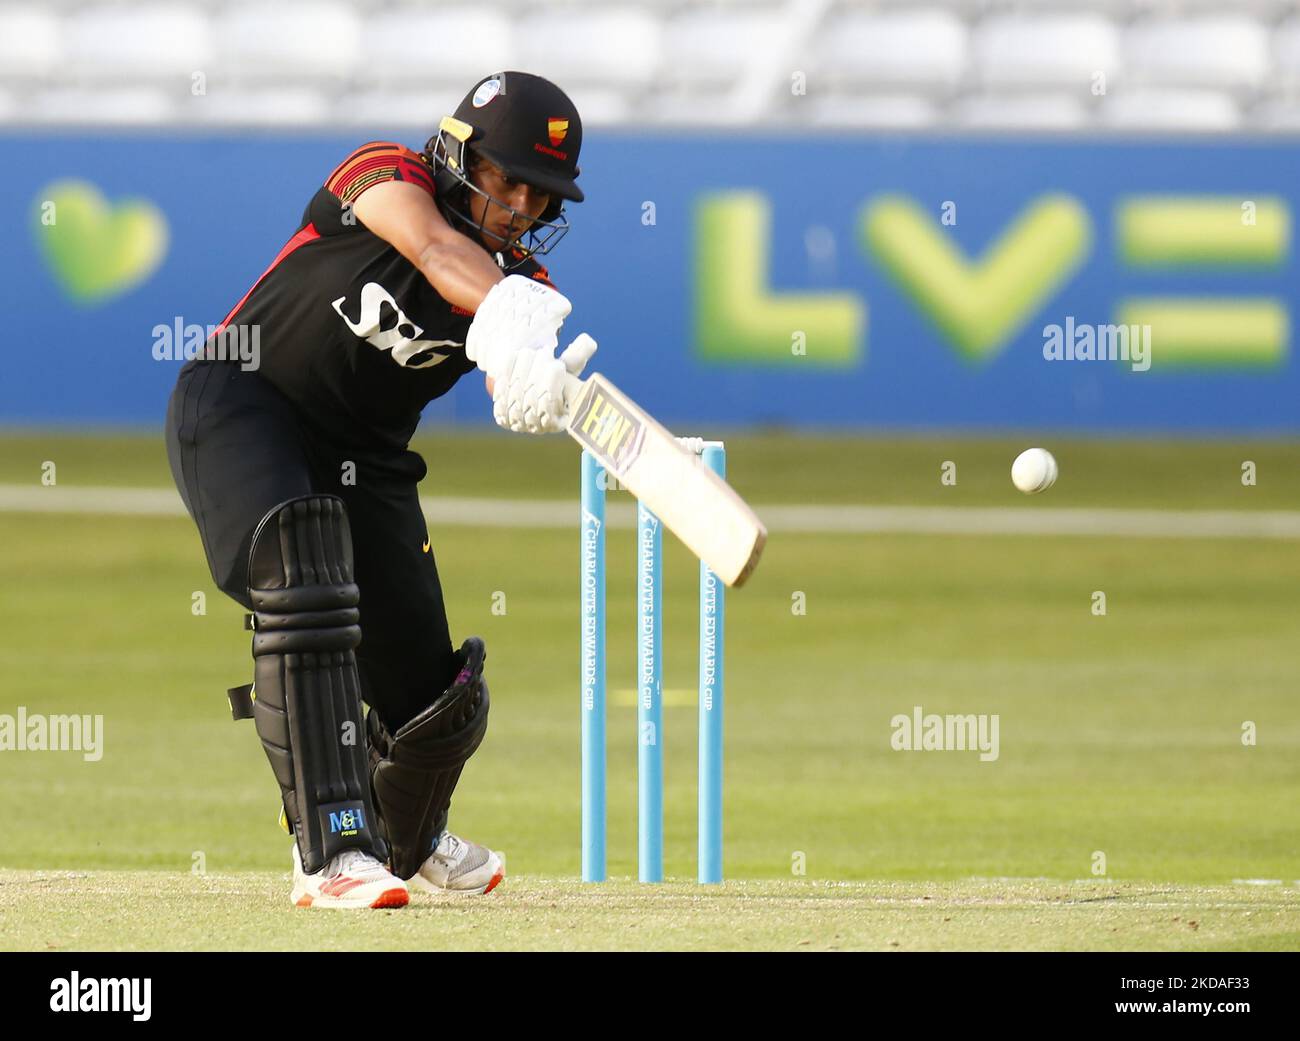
[[573, 387]]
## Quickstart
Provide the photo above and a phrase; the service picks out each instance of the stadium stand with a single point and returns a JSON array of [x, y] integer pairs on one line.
[[1110, 66]]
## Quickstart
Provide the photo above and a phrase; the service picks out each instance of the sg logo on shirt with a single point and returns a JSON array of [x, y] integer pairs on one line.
[[390, 330]]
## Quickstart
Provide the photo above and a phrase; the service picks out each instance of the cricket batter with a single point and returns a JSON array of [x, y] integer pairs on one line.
[[407, 271]]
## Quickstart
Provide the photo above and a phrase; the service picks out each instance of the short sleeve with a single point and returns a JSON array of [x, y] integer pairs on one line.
[[375, 163]]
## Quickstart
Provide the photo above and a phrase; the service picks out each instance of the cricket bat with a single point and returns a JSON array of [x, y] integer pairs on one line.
[[693, 502]]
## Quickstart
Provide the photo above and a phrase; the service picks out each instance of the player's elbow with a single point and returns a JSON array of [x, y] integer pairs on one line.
[[433, 258], [441, 252]]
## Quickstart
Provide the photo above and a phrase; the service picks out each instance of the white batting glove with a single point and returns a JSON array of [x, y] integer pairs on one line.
[[519, 313], [531, 398], [578, 353]]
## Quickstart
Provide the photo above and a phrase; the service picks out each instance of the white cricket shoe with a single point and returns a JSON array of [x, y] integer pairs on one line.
[[352, 879], [460, 867]]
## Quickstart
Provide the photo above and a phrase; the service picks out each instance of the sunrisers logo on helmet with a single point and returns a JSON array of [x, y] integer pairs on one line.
[[500, 119]]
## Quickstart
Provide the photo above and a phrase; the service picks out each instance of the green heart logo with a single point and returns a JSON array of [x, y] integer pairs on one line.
[[97, 250], [979, 305]]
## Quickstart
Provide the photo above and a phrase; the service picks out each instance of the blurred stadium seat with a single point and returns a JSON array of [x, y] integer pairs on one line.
[[287, 42], [30, 42], [1168, 109], [1051, 50], [926, 48], [265, 106], [1063, 65], [712, 46], [1229, 52], [110, 106], [380, 109], [1286, 54], [616, 46], [1037, 111], [875, 111], [396, 45], [125, 41]]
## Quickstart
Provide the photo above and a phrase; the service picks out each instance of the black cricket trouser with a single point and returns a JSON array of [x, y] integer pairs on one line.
[[238, 448]]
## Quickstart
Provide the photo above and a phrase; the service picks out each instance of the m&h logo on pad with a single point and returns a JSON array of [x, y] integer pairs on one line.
[[347, 822]]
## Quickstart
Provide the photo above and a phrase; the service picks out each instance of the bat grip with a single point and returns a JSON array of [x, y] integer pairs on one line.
[[572, 392]]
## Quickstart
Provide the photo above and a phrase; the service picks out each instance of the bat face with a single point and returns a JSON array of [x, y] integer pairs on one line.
[[693, 502], [604, 425]]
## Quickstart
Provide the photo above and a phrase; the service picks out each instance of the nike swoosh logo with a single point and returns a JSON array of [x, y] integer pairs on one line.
[[426, 546]]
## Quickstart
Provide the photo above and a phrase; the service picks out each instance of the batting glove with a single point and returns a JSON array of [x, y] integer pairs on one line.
[[531, 399], [518, 314], [578, 353]]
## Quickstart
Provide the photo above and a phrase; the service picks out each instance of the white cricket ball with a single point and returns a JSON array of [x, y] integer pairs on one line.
[[1034, 471]]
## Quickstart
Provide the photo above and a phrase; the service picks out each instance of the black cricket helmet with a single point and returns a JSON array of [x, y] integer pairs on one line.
[[529, 128]]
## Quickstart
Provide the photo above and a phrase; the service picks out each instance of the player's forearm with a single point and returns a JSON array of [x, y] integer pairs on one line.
[[461, 272], [404, 215]]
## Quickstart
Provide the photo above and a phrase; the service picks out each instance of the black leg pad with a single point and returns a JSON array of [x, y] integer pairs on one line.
[[307, 694], [414, 772]]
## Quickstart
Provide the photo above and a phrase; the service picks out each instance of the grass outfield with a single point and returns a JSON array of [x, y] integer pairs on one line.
[[1119, 735], [149, 910], [776, 468]]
